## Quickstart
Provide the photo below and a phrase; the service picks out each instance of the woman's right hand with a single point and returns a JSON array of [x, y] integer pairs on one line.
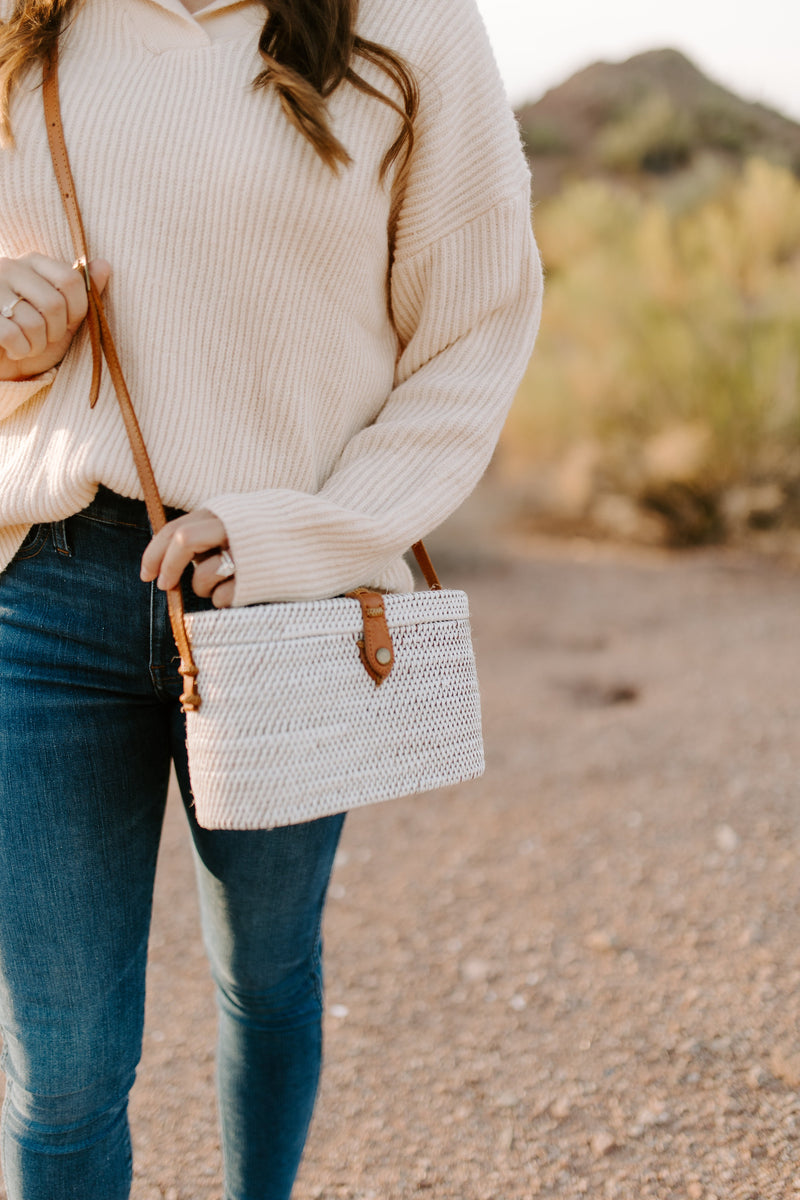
[[52, 304]]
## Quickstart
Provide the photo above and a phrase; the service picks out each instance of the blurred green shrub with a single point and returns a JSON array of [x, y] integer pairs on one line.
[[542, 136], [654, 135], [668, 365]]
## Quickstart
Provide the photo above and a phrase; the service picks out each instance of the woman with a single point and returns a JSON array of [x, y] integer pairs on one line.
[[324, 291]]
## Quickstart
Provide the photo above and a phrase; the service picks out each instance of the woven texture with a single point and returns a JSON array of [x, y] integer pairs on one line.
[[291, 726]]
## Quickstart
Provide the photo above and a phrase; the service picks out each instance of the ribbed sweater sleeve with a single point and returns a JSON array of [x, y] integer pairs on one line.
[[465, 296]]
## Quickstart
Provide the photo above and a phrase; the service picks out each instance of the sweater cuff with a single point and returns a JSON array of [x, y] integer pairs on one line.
[[280, 555], [255, 552], [13, 394]]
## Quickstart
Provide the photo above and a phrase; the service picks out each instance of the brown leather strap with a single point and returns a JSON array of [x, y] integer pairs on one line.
[[377, 640], [375, 648], [101, 339], [426, 566], [58, 153]]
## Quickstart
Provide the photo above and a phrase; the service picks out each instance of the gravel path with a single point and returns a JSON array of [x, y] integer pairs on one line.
[[579, 976]]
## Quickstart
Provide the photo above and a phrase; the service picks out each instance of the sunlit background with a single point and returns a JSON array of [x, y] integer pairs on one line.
[[662, 404], [752, 50]]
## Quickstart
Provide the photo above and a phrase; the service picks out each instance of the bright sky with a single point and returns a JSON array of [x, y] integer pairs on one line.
[[751, 48]]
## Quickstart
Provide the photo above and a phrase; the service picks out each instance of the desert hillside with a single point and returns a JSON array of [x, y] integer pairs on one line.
[[651, 115]]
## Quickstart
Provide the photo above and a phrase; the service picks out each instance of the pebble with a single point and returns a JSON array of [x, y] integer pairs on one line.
[[602, 1143], [475, 970], [727, 839], [654, 1112], [602, 940], [561, 1108], [751, 935], [505, 1138]]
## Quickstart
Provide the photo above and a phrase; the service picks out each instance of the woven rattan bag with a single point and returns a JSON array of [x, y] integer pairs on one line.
[[323, 735], [307, 708]]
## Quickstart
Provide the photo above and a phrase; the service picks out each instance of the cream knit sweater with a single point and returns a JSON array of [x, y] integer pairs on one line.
[[273, 382]]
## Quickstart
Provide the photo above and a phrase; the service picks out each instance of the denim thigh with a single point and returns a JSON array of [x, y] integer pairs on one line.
[[85, 743]]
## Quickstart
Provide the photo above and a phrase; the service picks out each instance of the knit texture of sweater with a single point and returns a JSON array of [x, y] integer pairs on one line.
[[328, 403]]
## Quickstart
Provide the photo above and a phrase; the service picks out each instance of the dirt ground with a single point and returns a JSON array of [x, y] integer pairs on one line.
[[578, 976]]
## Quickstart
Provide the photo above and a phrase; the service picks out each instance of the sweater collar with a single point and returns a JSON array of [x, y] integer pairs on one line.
[[214, 6]]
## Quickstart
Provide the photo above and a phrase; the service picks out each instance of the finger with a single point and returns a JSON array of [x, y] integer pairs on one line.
[[222, 596], [13, 340], [205, 577], [44, 312], [155, 550], [54, 289], [154, 553], [100, 272], [173, 547], [28, 318], [189, 540]]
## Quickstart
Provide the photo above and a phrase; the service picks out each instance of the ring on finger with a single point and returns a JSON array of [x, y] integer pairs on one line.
[[8, 309], [226, 567]]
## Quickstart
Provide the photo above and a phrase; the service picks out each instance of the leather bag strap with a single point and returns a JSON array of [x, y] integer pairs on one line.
[[102, 344], [101, 340]]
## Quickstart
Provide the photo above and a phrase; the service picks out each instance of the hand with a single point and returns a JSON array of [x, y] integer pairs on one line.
[[197, 537], [52, 305]]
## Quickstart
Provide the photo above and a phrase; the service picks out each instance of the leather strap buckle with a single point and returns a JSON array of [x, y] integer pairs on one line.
[[81, 264]]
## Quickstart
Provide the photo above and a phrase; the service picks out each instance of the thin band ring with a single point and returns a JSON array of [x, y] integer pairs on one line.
[[8, 309], [226, 567]]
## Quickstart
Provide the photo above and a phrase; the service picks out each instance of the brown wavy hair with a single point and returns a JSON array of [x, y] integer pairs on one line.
[[308, 48]]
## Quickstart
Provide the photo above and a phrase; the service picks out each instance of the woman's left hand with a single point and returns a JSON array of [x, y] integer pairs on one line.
[[197, 537]]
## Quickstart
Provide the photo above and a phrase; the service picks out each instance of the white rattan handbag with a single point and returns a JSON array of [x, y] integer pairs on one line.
[[307, 708], [324, 736]]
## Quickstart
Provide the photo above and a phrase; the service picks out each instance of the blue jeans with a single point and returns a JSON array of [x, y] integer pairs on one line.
[[89, 724]]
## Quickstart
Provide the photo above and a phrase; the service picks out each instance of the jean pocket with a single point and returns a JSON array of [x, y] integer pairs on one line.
[[34, 540]]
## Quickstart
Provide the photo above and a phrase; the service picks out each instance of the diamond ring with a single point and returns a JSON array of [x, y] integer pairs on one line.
[[8, 309], [226, 567]]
